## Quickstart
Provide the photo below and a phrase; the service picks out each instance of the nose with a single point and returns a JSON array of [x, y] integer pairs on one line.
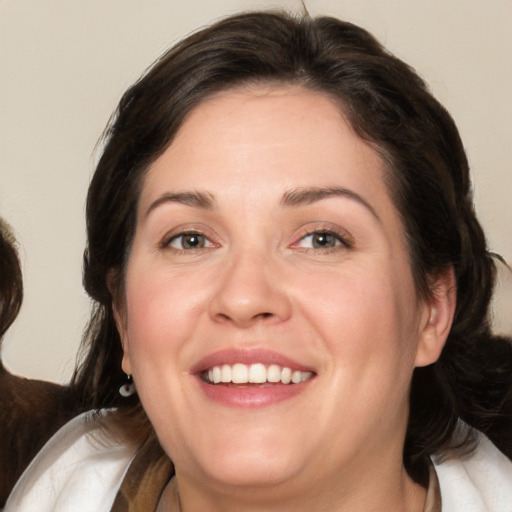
[[250, 291]]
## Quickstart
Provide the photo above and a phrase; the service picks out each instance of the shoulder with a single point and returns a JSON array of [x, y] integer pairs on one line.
[[481, 482], [79, 469]]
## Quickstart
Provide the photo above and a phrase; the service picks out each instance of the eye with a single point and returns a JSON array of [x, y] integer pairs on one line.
[[188, 241], [322, 239]]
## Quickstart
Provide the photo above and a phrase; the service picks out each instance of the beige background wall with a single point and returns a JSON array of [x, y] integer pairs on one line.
[[64, 65]]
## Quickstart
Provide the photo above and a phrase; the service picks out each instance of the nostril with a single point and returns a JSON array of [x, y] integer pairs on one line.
[[263, 315]]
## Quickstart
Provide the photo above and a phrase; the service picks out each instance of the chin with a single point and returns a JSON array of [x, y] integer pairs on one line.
[[249, 469], [248, 458]]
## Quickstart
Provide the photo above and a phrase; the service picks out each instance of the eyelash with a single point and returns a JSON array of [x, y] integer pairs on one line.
[[341, 241], [168, 240]]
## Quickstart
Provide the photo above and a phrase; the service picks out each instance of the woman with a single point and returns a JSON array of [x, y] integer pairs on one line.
[[287, 267]]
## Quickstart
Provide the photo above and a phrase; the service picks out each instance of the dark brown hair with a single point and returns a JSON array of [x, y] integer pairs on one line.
[[11, 281], [388, 105]]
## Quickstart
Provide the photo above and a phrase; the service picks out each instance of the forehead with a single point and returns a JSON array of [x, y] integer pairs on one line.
[[288, 134]]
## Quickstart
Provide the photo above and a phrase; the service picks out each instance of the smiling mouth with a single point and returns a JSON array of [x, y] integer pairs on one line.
[[256, 374]]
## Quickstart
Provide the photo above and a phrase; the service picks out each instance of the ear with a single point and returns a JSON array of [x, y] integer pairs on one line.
[[437, 319], [120, 316]]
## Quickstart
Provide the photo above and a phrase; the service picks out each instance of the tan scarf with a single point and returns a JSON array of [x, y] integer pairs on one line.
[[146, 478]]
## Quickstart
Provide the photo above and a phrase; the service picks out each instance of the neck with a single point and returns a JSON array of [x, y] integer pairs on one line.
[[374, 493]]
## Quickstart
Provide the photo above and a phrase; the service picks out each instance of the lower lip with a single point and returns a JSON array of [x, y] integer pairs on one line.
[[251, 396]]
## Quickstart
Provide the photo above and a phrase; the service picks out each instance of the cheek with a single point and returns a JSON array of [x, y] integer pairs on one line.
[[162, 313], [366, 315], [363, 318]]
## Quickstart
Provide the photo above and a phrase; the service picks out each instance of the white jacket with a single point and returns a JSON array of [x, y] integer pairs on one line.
[[79, 471]]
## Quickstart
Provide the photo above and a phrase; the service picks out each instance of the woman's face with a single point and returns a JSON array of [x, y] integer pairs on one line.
[[267, 248]]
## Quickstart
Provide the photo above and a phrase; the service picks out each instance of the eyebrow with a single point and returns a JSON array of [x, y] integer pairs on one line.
[[201, 200], [304, 196], [292, 198]]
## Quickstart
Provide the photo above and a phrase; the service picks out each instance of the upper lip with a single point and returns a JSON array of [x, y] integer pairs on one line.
[[247, 356]]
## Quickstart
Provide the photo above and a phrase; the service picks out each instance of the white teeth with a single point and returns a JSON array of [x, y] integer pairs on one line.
[[295, 376], [226, 373], [216, 374], [256, 373], [239, 374], [286, 375], [273, 373], [305, 376]]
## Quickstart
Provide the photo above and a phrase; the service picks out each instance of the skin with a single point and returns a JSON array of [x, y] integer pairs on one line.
[[347, 309]]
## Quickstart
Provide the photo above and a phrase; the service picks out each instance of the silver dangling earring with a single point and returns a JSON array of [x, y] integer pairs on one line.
[[128, 388]]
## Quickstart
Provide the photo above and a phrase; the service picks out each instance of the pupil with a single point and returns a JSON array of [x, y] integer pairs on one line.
[[192, 241], [323, 240]]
